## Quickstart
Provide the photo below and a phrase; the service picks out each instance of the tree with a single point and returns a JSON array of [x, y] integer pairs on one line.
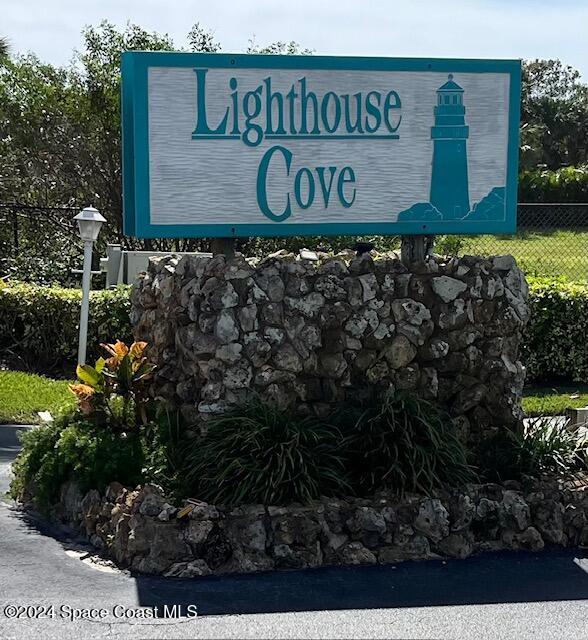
[[60, 134], [554, 115], [4, 47]]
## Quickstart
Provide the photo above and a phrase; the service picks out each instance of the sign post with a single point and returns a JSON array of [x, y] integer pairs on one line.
[[226, 146]]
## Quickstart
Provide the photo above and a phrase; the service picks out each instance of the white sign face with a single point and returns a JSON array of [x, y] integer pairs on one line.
[[218, 145]]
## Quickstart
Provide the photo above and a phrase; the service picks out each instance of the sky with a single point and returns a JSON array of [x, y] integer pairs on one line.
[[420, 28]]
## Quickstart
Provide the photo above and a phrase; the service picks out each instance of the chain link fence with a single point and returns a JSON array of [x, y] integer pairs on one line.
[[41, 243], [551, 240]]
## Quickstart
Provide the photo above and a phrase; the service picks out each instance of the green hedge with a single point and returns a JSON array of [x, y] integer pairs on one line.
[[568, 184], [556, 344], [39, 325]]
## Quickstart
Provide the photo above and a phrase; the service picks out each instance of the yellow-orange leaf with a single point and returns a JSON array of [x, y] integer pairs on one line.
[[137, 349], [81, 391], [118, 350]]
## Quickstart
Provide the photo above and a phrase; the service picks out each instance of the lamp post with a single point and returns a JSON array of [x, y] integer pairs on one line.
[[89, 222]]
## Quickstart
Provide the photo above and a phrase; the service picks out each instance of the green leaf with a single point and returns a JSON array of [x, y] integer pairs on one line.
[[89, 375]]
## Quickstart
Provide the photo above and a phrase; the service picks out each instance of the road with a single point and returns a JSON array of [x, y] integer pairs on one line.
[[494, 596]]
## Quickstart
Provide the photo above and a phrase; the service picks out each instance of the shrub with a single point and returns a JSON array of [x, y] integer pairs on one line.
[[39, 325], [405, 443], [543, 448], [165, 438], [555, 343], [259, 454], [568, 184], [72, 448]]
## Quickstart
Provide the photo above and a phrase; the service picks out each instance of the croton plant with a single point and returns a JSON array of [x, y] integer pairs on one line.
[[114, 388]]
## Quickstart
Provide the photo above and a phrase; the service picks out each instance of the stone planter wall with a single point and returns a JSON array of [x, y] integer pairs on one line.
[[140, 530], [311, 334]]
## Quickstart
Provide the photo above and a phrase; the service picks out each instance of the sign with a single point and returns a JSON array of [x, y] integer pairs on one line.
[[218, 145]]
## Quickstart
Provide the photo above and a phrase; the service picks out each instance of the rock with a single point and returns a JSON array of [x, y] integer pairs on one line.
[[548, 519], [272, 285], [400, 352], [229, 353], [529, 539], [432, 519], [514, 512], [469, 398], [369, 286], [305, 254], [414, 548], [198, 531], [503, 263], [224, 297], [248, 318], [332, 365], [330, 287], [225, 329], [308, 306], [354, 553], [190, 569], [167, 512], [456, 545], [287, 358], [238, 376], [150, 500], [411, 312], [448, 288], [434, 350], [367, 519]]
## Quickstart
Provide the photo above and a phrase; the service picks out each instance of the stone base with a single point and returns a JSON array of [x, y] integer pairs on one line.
[[141, 530], [311, 332]]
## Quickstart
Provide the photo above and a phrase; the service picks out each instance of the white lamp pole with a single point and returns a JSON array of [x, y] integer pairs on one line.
[[89, 222]]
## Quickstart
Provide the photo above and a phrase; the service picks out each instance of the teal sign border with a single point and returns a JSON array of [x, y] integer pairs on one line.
[[135, 138]]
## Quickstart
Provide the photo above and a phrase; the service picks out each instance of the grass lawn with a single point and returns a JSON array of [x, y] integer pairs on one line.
[[23, 394], [554, 401]]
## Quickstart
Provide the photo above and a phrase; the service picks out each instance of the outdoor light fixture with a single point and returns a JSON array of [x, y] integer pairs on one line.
[[89, 223]]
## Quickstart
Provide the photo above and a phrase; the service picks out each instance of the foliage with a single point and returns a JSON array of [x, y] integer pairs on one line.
[[555, 341], [568, 184], [72, 448], [543, 448], [39, 325], [407, 444], [60, 128], [22, 395], [554, 115], [259, 454], [279, 47], [166, 438], [114, 389]]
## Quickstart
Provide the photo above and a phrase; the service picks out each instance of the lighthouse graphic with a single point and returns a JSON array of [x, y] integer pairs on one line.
[[449, 177], [449, 197]]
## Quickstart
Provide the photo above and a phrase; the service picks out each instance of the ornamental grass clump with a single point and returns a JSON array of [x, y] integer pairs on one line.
[[405, 443], [259, 454], [544, 448]]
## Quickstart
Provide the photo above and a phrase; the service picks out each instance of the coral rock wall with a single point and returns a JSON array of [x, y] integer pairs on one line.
[[141, 530], [311, 334]]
